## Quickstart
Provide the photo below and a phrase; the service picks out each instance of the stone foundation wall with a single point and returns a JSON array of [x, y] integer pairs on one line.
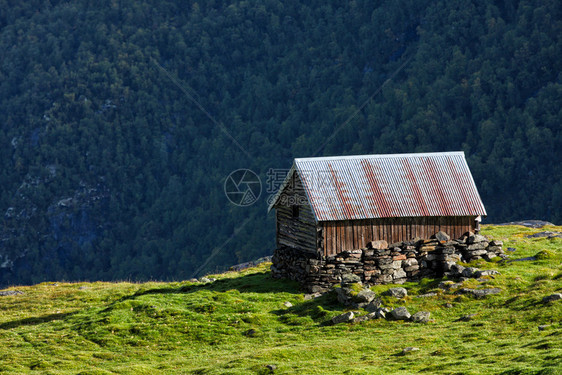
[[381, 263]]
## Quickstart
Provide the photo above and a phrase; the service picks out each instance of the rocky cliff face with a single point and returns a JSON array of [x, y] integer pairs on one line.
[[52, 232]]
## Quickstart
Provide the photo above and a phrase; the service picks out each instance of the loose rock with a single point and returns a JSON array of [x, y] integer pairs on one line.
[[398, 292], [365, 296], [421, 317], [343, 318], [552, 297], [308, 297], [10, 293], [400, 313], [480, 293], [374, 305], [364, 318], [250, 333], [427, 295], [467, 317], [381, 313], [469, 271], [478, 274], [409, 349]]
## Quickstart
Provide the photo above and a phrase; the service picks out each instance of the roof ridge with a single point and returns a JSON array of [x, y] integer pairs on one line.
[[382, 156]]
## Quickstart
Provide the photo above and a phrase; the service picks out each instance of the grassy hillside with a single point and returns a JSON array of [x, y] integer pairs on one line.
[[239, 324]]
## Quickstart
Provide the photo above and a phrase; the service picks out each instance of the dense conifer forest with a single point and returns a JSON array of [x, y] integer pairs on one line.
[[120, 120]]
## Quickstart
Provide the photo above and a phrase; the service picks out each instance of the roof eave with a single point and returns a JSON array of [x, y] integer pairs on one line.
[[275, 198]]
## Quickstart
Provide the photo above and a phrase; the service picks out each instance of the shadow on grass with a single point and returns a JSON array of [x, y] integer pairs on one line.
[[252, 283], [35, 320], [317, 309], [260, 282]]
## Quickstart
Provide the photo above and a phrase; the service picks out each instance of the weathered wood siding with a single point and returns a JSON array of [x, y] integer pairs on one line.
[[338, 236], [299, 233]]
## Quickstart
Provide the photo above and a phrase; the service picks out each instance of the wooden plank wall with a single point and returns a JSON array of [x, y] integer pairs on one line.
[[298, 232], [349, 235]]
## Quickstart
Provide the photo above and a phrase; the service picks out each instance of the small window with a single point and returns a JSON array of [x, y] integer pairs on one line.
[[295, 211]]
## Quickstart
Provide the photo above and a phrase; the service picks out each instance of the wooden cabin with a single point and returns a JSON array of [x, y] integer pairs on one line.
[[330, 204]]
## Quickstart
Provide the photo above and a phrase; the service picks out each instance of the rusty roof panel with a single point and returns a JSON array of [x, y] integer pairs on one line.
[[397, 185]]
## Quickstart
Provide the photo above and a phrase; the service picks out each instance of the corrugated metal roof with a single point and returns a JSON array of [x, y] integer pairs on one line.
[[396, 185]]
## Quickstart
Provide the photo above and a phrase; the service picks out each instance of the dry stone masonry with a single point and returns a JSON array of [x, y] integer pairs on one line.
[[381, 263]]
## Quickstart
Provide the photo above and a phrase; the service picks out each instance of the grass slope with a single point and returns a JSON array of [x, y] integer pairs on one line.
[[238, 324]]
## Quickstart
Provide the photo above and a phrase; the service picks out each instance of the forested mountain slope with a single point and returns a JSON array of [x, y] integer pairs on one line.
[[110, 169]]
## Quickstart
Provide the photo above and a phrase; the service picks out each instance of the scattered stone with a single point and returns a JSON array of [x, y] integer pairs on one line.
[[552, 297], [421, 317], [271, 368], [400, 313], [318, 289], [511, 249], [287, 304], [529, 223], [397, 292], [10, 293], [469, 271], [480, 273], [365, 296], [345, 295], [250, 333], [364, 318], [448, 305], [308, 297], [547, 234], [83, 288], [456, 269], [374, 305], [343, 318], [427, 295], [381, 314], [409, 349], [480, 293], [204, 280], [467, 317], [448, 285], [193, 280], [543, 327]]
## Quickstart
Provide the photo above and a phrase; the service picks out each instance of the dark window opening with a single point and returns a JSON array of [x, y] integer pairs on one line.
[[295, 211]]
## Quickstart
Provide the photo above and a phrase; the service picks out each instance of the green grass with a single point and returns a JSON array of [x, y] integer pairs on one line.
[[238, 325]]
